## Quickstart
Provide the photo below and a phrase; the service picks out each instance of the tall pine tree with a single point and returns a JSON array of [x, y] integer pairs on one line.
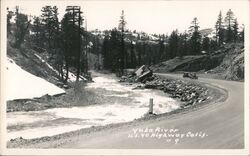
[[22, 25], [229, 19], [195, 40], [51, 24], [123, 56], [219, 28]]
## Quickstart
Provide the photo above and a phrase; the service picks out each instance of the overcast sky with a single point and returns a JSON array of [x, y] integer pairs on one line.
[[149, 16]]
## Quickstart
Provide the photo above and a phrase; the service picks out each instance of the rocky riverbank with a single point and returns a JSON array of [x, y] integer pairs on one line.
[[190, 93]]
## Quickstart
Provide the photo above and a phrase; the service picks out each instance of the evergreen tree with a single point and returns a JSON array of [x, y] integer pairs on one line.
[[235, 30], [132, 55], [76, 21], [96, 50], [73, 36], [219, 30], [67, 42], [123, 55], [38, 30], [182, 45], [139, 49], [206, 44], [22, 25], [195, 40], [161, 54], [51, 25], [106, 53], [229, 19], [173, 44], [115, 57], [213, 45]]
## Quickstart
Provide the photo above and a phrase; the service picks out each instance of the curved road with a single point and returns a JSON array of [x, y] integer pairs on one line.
[[221, 124]]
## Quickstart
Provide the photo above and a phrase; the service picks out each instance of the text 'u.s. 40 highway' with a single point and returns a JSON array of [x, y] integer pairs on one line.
[[174, 135]]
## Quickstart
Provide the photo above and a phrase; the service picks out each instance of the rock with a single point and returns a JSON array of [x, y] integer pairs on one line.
[[140, 70], [144, 76], [187, 92]]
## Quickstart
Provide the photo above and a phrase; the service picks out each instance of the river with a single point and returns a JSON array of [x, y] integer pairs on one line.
[[35, 124]]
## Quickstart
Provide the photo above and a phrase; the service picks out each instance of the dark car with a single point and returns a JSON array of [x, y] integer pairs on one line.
[[190, 75]]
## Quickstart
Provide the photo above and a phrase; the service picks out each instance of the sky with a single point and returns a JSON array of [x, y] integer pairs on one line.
[[158, 17]]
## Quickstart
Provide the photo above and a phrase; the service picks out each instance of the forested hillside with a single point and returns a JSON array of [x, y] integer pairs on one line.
[[68, 46]]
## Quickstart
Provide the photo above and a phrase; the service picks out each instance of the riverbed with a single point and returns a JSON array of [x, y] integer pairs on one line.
[[49, 122]]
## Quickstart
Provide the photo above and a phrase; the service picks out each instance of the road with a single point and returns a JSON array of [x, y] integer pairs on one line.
[[221, 122]]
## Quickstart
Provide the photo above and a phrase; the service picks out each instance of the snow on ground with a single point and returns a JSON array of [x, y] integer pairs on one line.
[[72, 76], [22, 84], [46, 63]]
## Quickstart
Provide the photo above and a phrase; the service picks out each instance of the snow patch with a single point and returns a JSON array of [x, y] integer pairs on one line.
[[22, 84], [46, 63]]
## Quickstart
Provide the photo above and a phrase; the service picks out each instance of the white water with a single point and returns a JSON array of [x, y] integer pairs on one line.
[[59, 120]]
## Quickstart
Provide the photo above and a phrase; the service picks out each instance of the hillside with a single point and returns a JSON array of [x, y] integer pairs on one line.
[[227, 63], [33, 62], [36, 61]]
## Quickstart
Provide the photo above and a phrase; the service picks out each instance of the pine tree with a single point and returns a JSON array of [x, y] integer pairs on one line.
[[106, 53], [235, 30], [73, 36], [67, 39], [161, 56], [123, 56], [219, 30], [213, 45], [195, 40], [46, 20], [206, 44], [185, 40], [229, 25], [139, 49], [51, 24], [173, 44], [182, 45], [38, 30], [75, 20], [22, 25], [132, 55], [115, 56]]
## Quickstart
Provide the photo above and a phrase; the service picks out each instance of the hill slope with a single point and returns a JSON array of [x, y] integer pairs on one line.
[[228, 62]]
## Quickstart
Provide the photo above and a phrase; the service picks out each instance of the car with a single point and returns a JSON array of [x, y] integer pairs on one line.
[[190, 75]]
